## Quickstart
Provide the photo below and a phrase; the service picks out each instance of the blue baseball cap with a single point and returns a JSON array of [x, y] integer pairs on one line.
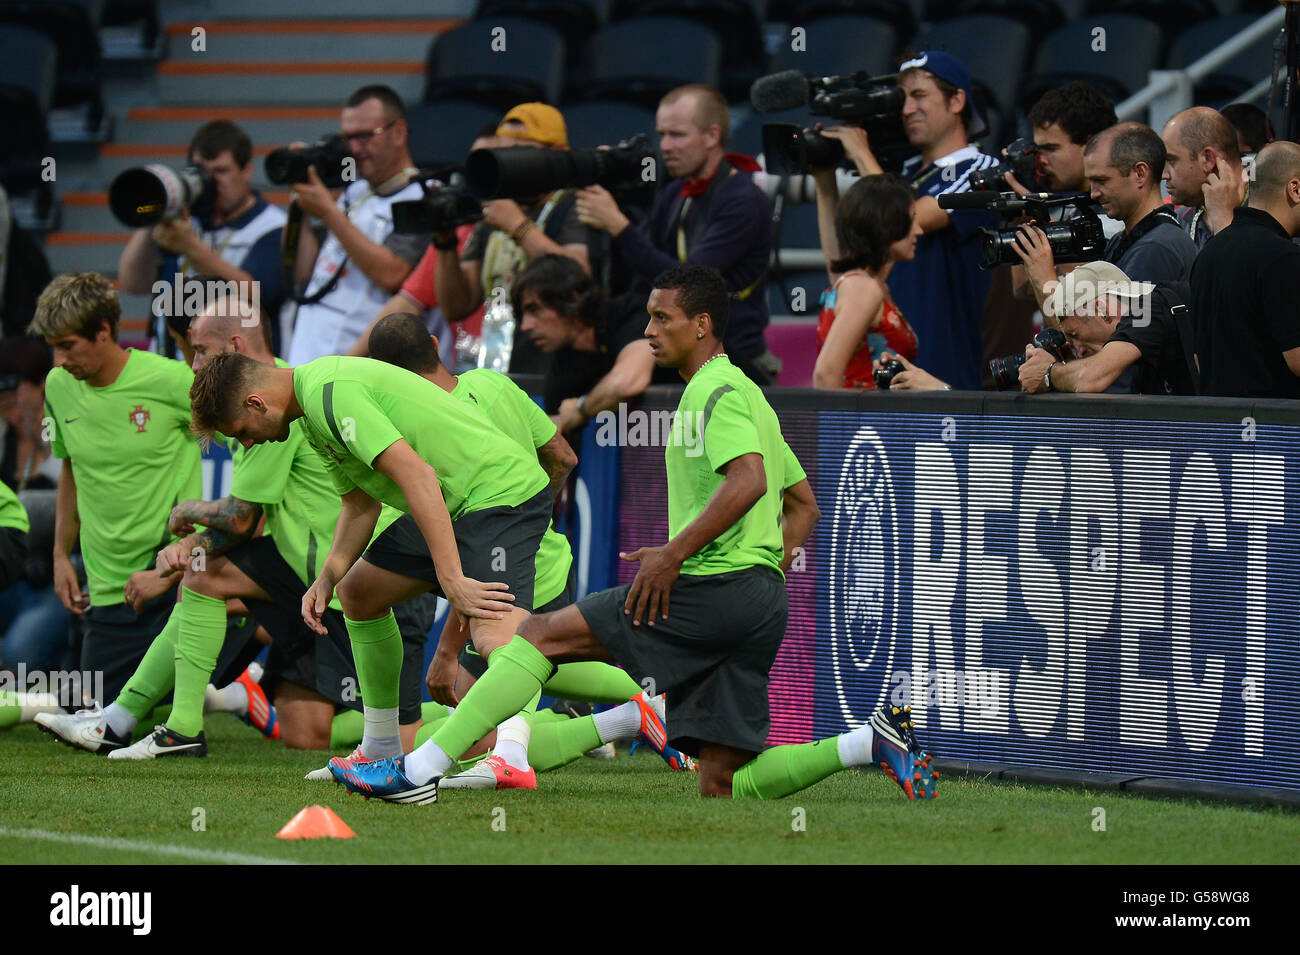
[[954, 72]]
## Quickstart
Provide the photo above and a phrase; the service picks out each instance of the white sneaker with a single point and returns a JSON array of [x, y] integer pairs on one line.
[[84, 729], [604, 751], [491, 773], [163, 742]]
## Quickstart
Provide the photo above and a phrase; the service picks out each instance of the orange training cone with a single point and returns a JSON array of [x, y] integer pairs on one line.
[[316, 822]]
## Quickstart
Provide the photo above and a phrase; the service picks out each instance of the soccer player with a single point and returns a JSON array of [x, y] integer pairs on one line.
[[401, 339], [712, 598], [287, 483], [121, 424], [477, 506]]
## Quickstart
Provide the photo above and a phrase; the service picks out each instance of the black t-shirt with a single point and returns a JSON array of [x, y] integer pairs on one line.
[[1163, 368], [571, 373], [1246, 308]]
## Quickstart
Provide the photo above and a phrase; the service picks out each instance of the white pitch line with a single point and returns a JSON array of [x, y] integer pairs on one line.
[[132, 845]]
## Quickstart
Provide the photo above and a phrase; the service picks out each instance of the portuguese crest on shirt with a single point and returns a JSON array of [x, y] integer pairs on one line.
[[139, 417]]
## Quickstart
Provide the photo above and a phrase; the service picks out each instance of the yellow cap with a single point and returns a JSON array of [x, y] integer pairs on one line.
[[542, 124]]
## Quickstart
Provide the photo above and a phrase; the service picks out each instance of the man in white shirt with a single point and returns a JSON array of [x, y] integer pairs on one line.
[[357, 262]]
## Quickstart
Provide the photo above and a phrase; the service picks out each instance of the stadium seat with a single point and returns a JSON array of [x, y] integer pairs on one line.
[[1040, 16], [1237, 75], [480, 62], [736, 23], [995, 66], [441, 132], [902, 15], [27, 82], [1132, 50], [73, 26], [836, 46], [142, 14], [1175, 15], [577, 20], [627, 62], [604, 123]]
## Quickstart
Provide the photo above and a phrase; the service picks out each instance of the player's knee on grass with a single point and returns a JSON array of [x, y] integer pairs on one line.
[[305, 716], [717, 767]]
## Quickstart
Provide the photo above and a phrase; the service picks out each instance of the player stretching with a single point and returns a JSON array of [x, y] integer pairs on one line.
[[712, 599], [477, 506]]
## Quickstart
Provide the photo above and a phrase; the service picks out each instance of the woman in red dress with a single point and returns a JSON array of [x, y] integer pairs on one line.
[[873, 227]]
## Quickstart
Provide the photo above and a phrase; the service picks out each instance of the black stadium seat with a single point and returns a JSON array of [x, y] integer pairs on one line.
[[441, 132], [71, 26], [836, 46], [500, 62], [1132, 50], [996, 67], [605, 122], [577, 20], [736, 23], [27, 81], [902, 15], [1237, 75], [1040, 16], [628, 61], [1174, 15]]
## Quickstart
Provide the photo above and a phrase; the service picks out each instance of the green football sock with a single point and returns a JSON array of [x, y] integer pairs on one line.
[[156, 675], [425, 732], [377, 650], [10, 714], [592, 681], [556, 742], [346, 728], [202, 632], [431, 711], [783, 770], [516, 673]]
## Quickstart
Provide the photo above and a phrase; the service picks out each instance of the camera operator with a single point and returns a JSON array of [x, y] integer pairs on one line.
[[942, 290], [355, 262], [1123, 165], [1246, 288], [710, 213], [511, 236], [1063, 120], [1116, 324], [1203, 171], [598, 358], [238, 241]]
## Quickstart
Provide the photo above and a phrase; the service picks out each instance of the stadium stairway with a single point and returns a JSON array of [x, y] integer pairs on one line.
[[281, 79]]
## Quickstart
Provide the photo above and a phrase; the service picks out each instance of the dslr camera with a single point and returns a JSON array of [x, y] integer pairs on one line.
[[1006, 370], [1020, 159], [443, 207], [146, 195], [885, 374], [287, 166], [515, 173], [1079, 238], [873, 102]]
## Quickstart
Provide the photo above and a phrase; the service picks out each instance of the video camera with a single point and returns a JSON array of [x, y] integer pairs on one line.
[[286, 166], [1077, 239], [146, 195], [1020, 159], [1006, 370], [522, 173], [873, 102]]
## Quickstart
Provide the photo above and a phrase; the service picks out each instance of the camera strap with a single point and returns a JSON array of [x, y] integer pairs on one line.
[[1129, 239]]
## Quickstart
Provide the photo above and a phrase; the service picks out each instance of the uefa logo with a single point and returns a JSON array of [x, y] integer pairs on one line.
[[863, 578]]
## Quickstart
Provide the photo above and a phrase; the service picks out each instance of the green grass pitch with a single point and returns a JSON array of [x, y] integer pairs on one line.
[[631, 809]]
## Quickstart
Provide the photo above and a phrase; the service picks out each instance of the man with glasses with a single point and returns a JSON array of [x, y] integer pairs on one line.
[[353, 261]]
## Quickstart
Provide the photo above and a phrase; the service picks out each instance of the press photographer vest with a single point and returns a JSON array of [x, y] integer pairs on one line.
[[328, 324], [233, 245]]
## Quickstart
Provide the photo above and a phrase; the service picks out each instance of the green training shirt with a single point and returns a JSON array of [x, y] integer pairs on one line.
[[510, 409], [12, 512], [721, 416], [133, 459], [355, 408]]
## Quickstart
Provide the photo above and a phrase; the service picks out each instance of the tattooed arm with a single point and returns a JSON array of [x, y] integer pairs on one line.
[[229, 522], [557, 459]]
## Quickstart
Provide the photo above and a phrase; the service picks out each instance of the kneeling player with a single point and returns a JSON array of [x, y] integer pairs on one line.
[[712, 599]]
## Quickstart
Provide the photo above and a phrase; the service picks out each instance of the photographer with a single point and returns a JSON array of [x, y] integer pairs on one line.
[[593, 365], [1063, 120], [1123, 164], [237, 241], [709, 213], [872, 228], [1203, 171], [942, 289], [510, 236], [355, 262], [1133, 337]]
